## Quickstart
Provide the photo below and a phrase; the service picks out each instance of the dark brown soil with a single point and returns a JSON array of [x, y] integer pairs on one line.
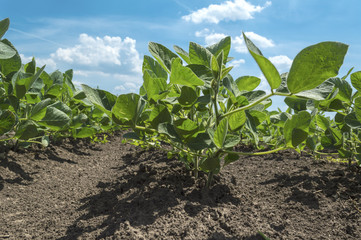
[[79, 190]]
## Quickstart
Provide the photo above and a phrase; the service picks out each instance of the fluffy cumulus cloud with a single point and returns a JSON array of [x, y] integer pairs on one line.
[[237, 63], [260, 41], [96, 51], [282, 62], [227, 11], [210, 37], [238, 43]]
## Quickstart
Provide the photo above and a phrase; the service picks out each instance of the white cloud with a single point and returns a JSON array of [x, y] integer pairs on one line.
[[49, 62], [258, 40], [281, 62], [237, 63], [228, 11], [101, 51], [237, 42], [210, 38]]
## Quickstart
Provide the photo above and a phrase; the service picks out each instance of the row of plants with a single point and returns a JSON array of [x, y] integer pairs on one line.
[[190, 102], [35, 105]]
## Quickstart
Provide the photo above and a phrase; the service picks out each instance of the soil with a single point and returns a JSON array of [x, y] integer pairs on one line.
[[80, 190]]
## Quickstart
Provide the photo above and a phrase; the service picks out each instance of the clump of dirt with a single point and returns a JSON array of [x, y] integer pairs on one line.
[[80, 190]]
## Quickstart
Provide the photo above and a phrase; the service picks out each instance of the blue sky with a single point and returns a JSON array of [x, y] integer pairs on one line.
[[104, 41]]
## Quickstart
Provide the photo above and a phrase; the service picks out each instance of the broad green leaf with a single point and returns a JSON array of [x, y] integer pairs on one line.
[[231, 157], [83, 132], [150, 64], [296, 129], [254, 96], [79, 120], [182, 53], [183, 75], [199, 55], [315, 64], [203, 73], [54, 91], [231, 141], [39, 109], [319, 93], [200, 142], [247, 83], [268, 69], [154, 87], [163, 55], [57, 77], [168, 129], [237, 120], [186, 128], [54, 119], [188, 96], [357, 108], [100, 98], [344, 89], [127, 107], [6, 51], [297, 104], [211, 164], [231, 86], [159, 114], [322, 122], [4, 26], [223, 45], [258, 116], [7, 121], [12, 64], [356, 80], [62, 107], [27, 129], [30, 67], [221, 133]]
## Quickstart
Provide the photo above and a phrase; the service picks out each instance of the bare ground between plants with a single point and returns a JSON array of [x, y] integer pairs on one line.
[[78, 190]]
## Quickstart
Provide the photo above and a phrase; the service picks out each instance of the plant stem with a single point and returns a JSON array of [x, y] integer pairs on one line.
[[255, 153], [209, 180]]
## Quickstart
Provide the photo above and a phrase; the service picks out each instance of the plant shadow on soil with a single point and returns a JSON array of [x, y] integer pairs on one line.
[[140, 197]]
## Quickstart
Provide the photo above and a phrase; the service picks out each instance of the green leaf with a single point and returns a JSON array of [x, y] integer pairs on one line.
[[7, 121], [358, 108], [79, 120], [30, 67], [150, 64], [223, 45], [231, 141], [186, 128], [183, 75], [200, 142], [296, 128], [6, 51], [27, 129], [297, 104], [322, 122], [247, 83], [268, 69], [230, 158], [221, 133], [154, 87], [188, 96], [12, 64], [356, 80], [4, 26], [344, 89], [168, 129], [182, 53], [100, 98], [319, 93], [237, 120], [54, 119], [315, 64], [158, 115], [127, 107], [39, 109], [199, 55], [163, 55], [84, 132]]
